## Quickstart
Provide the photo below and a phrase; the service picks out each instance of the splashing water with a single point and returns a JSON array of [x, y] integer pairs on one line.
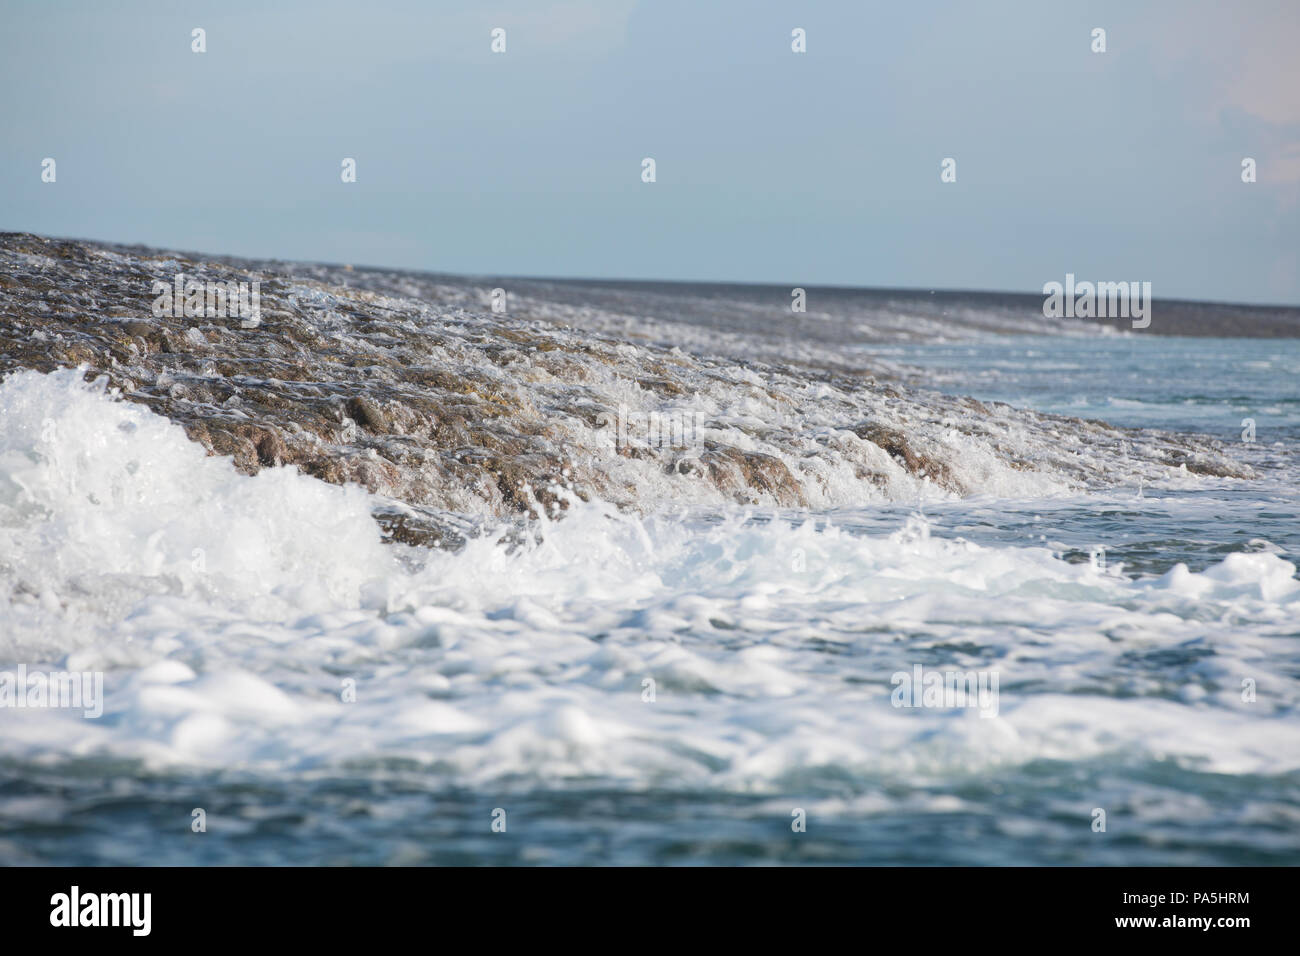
[[632, 688]]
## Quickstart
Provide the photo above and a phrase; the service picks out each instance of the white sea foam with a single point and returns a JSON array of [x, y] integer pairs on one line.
[[229, 611]]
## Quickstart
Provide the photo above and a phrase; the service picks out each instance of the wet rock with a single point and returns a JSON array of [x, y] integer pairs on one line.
[[743, 474], [896, 444], [367, 413]]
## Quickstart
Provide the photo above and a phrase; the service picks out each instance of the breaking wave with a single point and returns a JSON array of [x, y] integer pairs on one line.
[[229, 610]]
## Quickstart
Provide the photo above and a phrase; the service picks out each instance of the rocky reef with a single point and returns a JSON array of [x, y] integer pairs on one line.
[[410, 385]]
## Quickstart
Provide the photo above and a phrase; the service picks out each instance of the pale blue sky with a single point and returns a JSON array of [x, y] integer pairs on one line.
[[820, 168]]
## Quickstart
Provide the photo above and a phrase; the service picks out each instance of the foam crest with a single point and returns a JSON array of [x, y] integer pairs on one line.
[[738, 650]]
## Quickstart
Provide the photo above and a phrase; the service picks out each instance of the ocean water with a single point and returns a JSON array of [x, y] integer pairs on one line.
[[1203, 385], [324, 697]]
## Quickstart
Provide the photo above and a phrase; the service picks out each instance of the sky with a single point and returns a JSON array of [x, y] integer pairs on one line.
[[814, 168]]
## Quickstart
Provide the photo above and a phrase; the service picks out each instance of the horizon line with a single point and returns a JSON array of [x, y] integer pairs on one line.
[[832, 287]]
